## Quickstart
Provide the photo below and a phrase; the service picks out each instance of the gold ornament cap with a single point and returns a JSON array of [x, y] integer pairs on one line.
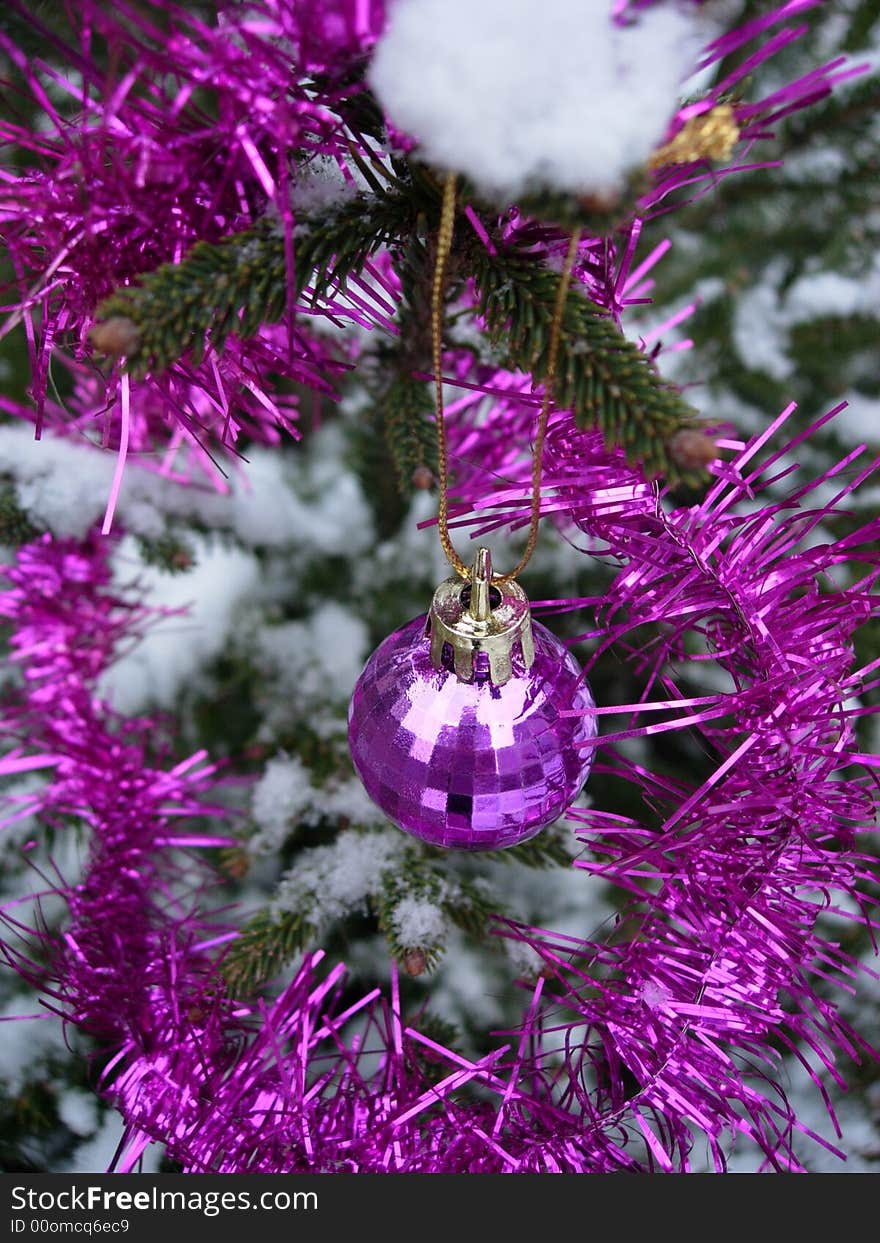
[[477, 617]]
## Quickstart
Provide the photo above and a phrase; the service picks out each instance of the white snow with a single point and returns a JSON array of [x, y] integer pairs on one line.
[[79, 1111], [296, 500], [309, 667], [834, 293], [419, 554], [760, 328], [516, 94], [470, 988], [317, 659], [525, 960], [61, 485], [174, 651], [279, 797], [764, 317], [419, 922], [860, 424], [26, 1040], [320, 184], [333, 881], [275, 499], [285, 798], [346, 800], [16, 799], [96, 1155]]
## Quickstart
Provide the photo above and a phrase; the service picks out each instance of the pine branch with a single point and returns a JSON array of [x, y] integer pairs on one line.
[[604, 378], [409, 430], [459, 900], [265, 946], [546, 850], [472, 907], [239, 284], [271, 940], [15, 524], [408, 404], [854, 358], [371, 460], [399, 430], [416, 954], [840, 117], [169, 552], [865, 17]]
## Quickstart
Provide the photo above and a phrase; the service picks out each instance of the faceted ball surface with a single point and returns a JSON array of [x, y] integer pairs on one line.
[[467, 765]]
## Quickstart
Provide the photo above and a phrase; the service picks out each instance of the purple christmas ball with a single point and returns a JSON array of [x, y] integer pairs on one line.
[[470, 765]]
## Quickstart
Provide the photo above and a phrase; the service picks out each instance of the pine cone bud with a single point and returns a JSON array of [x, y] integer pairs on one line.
[[692, 449], [415, 962], [181, 559], [600, 200], [235, 862], [115, 336], [423, 478]]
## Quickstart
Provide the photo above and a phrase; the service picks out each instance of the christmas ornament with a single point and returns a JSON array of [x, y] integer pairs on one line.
[[470, 727]]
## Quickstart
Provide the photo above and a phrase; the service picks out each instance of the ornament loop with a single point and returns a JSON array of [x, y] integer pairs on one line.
[[481, 627], [480, 607]]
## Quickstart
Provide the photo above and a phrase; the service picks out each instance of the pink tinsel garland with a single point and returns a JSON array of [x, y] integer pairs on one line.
[[728, 879], [628, 1050]]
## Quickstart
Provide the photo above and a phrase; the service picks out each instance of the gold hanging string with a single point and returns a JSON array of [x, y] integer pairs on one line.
[[444, 245]]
